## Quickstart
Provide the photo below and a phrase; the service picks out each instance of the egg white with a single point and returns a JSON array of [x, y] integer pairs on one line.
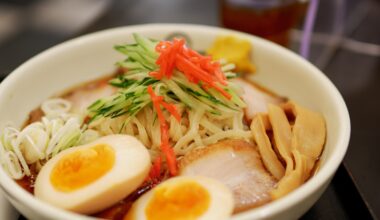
[[221, 198], [131, 166]]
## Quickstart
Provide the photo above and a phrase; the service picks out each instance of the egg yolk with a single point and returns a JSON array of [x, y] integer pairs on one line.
[[187, 201], [82, 167]]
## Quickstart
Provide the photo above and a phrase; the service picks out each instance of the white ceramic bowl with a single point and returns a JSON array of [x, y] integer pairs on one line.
[[91, 56]]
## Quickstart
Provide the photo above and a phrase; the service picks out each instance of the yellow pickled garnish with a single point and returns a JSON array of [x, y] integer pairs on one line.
[[234, 50]]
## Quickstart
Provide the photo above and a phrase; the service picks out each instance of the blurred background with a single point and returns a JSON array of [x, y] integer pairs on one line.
[[345, 45]]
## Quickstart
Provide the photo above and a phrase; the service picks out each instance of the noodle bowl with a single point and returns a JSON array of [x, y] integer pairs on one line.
[[332, 108]]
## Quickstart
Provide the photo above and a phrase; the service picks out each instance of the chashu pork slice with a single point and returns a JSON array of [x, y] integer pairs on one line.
[[82, 97], [237, 164], [256, 97]]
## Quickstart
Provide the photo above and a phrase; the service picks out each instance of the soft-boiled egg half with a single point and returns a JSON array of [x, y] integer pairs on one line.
[[184, 197], [92, 177]]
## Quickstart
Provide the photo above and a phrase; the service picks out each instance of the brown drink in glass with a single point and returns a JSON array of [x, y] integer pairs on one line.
[[270, 19]]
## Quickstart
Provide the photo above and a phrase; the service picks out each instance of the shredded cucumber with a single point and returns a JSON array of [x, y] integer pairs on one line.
[[133, 96]]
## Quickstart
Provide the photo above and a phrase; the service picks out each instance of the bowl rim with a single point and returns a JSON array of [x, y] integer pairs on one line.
[[16, 193]]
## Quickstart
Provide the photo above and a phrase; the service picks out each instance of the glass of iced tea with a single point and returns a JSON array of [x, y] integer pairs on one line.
[[270, 19]]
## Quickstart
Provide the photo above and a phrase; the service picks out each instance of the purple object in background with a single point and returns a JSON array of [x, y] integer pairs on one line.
[[308, 28]]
